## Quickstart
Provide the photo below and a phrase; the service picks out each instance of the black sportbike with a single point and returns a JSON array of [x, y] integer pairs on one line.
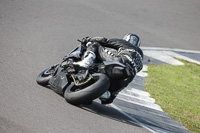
[[81, 86]]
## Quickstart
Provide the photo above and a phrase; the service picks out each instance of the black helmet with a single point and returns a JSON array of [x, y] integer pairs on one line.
[[133, 39]]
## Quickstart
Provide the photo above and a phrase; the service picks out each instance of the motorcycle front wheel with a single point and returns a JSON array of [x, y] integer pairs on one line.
[[44, 77], [86, 93]]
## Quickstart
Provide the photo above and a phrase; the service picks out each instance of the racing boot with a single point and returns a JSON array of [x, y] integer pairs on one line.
[[88, 59], [105, 96]]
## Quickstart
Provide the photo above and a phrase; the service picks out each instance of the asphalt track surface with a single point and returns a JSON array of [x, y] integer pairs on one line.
[[34, 34]]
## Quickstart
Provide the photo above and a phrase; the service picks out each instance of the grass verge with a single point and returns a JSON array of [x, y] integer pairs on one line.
[[177, 90]]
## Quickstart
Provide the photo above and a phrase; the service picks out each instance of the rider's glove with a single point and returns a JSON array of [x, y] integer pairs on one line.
[[85, 40], [67, 63]]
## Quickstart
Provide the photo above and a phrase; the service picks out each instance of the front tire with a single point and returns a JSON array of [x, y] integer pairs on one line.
[[83, 94], [44, 77]]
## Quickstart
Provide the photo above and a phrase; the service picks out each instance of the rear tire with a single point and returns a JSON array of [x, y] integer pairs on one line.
[[86, 93]]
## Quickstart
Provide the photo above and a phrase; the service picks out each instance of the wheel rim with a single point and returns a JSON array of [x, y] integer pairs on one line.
[[47, 72], [74, 95], [75, 88]]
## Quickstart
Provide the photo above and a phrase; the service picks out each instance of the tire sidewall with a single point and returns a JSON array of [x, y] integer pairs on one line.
[[43, 80], [89, 93]]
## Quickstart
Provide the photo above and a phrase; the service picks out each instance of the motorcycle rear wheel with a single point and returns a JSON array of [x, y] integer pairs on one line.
[[86, 93]]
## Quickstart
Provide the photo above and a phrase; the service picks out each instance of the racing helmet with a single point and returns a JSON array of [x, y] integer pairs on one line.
[[133, 39]]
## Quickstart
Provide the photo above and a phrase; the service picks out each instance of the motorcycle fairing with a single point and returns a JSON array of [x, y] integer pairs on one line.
[[76, 53], [59, 81]]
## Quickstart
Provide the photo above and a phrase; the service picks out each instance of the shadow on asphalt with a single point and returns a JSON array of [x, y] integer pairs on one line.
[[103, 110], [108, 112]]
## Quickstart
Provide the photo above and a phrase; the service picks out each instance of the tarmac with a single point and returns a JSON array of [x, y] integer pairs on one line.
[[138, 104], [36, 34]]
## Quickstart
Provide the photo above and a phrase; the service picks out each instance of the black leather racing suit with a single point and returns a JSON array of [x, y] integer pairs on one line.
[[125, 53]]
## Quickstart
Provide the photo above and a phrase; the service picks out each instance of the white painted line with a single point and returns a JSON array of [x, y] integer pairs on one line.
[[142, 74], [137, 95], [160, 55], [143, 93], [145, 99], [181, 57], [132, 118], [145, 68], [145, 104], [170, 49]]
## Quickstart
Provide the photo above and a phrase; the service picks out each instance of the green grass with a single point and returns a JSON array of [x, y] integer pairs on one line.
[[177, 90]]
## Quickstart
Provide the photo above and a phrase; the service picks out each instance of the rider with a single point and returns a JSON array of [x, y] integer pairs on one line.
[[127, 52]]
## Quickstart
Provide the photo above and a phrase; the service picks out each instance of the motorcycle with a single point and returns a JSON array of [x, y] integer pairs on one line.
[[80, 86]]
